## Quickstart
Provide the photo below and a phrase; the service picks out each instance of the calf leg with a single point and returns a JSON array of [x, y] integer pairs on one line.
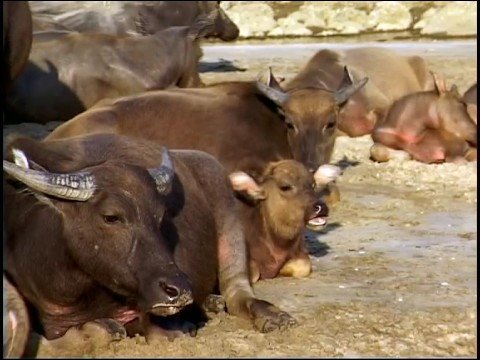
[[298, 266], [382, 153]]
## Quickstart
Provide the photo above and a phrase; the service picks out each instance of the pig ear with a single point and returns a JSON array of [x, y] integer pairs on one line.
[[245, 185]]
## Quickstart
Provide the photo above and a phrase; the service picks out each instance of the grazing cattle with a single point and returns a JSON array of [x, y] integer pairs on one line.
[[390, 75], [122, 236], [280, 204], [237, 122], [17, 40], [70, 72], [17, 322], [470, 98], [132, 17], [431, 126]]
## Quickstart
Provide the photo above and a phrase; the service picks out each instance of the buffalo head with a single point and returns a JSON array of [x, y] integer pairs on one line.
[[109, 217], [311, 116]]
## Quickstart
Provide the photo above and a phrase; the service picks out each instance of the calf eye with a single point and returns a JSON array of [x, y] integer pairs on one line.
[[286, 187], [290, 126], [111, 219]]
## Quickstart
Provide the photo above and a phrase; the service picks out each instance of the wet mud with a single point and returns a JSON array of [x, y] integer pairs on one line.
[[394, 272]]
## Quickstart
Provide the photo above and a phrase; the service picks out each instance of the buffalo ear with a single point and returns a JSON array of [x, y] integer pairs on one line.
[[347, 88], [245, 185]]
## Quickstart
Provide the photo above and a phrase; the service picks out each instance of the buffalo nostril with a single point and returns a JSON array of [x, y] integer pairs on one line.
[[318, 209], [171, 291]]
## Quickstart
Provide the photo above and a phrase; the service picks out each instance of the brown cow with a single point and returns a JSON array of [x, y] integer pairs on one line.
[[122, 236], [390, 75], [70, 72], [17, 321], [132, 17], [17, 40], [431, 126], [280, 204]]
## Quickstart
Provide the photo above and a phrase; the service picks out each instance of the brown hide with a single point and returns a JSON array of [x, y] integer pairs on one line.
[[432, 126], [133, 17], [199, 224], [390, 75], [282, 202], [17, 40], [71, 72], [231, 121]]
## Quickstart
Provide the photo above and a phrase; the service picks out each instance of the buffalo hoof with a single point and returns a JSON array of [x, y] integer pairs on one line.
[[214, 303], [267, 317]]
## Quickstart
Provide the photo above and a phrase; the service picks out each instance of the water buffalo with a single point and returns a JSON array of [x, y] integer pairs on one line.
[[431, 126], [221, 119], [70, 72], [123, 237], [17, 322], [132, 17], [470, 98], [390, 75], [281, 202], [17, 40]]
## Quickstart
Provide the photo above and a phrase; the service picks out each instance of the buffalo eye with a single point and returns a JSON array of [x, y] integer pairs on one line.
[[286, 187], [330, 124], [111, 219]]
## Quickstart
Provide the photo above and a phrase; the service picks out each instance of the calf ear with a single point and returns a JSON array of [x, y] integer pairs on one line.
[[245, 185]]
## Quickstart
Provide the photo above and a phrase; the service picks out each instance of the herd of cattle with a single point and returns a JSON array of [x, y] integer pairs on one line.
[[105, 226]]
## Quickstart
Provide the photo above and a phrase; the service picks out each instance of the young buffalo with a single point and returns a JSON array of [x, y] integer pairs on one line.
[[280, 203], [430, 126]]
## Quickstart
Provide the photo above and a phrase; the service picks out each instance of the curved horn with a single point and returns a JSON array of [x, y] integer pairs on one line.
[[276, 95], [74, 186], [163, 175], [348, 88]]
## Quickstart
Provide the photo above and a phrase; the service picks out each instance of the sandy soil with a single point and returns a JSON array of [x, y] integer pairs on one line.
[[394, 271]]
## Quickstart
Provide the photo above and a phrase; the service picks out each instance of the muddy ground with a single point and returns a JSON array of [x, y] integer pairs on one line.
[[394, 272]]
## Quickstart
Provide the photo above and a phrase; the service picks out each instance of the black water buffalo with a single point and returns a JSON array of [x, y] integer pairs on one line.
[[391, 76], [115, 230], [17, 40], [70, 72], [132, 17]]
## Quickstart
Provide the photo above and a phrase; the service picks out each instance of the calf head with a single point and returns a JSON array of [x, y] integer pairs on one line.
[[449, 112], [311, 116], [111, 214], [286, 194]]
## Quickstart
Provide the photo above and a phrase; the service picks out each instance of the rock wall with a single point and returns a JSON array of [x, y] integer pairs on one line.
[[262, 19]]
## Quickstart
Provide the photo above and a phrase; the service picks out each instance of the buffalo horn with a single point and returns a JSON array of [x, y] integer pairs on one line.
[[163, 175], [345, 92], [74, 186], [277, 96]]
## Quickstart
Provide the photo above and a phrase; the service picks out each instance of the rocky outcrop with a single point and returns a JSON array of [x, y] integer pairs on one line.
[[322, 18]]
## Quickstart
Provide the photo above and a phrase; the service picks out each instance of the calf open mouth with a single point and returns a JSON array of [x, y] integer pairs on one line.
[[318, 220]]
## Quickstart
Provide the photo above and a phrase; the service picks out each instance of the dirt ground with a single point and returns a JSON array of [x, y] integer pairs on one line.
[[394, 272]]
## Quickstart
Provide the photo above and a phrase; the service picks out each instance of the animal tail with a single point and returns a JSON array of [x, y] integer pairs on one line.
[[202, 25]]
